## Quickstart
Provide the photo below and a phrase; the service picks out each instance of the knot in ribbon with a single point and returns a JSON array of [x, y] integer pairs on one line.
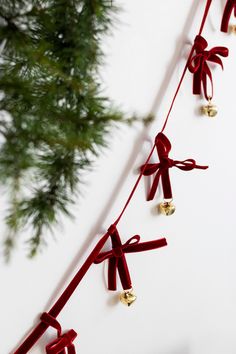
[[119, 251], [230, 7], [63, 341], [117, 260], [199, 67], [166, 162], [161, 169]]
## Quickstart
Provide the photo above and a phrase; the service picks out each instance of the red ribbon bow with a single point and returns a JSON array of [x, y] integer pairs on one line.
[[116, 256], [230, 6], [63, 341], [163, 147], [198, 64]]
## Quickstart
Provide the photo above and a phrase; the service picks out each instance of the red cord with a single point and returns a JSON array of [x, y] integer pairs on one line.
[[208, 4], [207, 8], [63, 299], [39, 330], [135, 186]]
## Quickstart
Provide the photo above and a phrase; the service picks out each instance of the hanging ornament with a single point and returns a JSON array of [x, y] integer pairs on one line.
[[161, 169], [117, 261], [201, 71], [166, 208], [232, 29], [128, 297], [210, 110], [63, 341], [230, 7]]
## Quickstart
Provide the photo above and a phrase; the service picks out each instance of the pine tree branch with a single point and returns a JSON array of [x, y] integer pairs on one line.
[[12, 221], [53, 114]]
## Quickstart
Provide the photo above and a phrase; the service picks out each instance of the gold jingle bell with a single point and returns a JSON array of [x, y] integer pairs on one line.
[[128, 297], [232, 29], [167, 208], [210, 110]]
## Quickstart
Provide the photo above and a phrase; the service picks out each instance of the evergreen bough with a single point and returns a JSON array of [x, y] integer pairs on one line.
[[53, 116]]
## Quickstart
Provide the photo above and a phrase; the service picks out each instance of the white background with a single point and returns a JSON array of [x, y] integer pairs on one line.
[[186, 291]]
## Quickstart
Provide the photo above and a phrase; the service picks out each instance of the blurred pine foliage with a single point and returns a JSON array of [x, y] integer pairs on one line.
[[53, 116]]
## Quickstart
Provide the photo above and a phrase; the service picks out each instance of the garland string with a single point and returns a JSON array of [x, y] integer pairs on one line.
[[207, 8], [49, 319]]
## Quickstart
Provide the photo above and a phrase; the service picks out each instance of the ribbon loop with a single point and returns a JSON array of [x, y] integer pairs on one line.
[[161, 169], [199, 67], [187, 165], [59, 345], [63, 341], [51, 321], [132, 241], [230, 7], [117, 260]]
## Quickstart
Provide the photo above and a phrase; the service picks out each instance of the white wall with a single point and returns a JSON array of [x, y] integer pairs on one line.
[[186, 291]]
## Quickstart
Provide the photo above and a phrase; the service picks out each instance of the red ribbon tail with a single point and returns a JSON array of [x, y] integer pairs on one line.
[[71, 349], [124, 273], [112, 268], [155, 183], [201, 167], [197, 77], [167, 191], [229, 7], [118, 263]]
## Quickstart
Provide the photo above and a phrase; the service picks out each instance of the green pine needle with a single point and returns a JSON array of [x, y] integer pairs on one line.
[[52, 113]]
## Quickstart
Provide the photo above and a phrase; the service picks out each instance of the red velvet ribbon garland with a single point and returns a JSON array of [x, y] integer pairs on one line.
[[163, 147], [42, 326], [117, 260], [49, 319], [230, 7], [63, 341], [198, 64]]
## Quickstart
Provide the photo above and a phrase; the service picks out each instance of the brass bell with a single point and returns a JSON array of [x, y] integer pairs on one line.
[[167, 208], [128, 297], [210, 110], [232, 29]]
